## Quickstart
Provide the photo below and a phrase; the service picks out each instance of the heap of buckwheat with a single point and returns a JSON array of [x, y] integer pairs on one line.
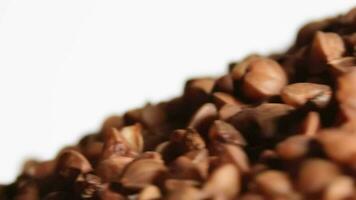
[[279, 127]]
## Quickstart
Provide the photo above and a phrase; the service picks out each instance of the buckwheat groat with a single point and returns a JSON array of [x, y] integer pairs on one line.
[[279, 127]]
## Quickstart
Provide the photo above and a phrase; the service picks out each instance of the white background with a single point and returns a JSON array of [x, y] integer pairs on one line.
[[66, 64]]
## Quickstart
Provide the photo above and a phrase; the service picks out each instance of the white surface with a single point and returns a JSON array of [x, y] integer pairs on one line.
[[65, 65]]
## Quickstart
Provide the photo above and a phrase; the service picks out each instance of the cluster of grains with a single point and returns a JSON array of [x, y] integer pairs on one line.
[[279, 127]]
